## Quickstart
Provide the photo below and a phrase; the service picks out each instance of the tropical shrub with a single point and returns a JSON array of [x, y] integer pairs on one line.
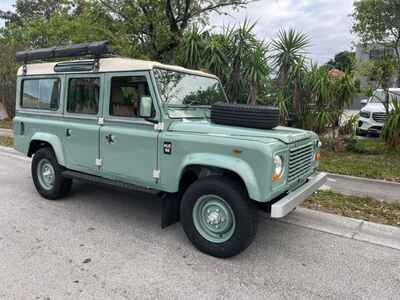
[[391, 129]]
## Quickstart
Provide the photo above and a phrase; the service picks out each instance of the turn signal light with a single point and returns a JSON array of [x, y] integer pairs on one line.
[[275, 177], [317, 155]]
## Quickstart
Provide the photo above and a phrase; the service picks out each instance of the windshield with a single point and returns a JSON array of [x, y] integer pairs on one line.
[[379, 97], [186, 95]]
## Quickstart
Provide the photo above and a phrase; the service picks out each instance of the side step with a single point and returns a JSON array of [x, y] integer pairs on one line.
[[100, 180], [170, 202]]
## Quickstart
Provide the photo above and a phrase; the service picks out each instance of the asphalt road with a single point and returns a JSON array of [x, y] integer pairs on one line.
[[105, 244]]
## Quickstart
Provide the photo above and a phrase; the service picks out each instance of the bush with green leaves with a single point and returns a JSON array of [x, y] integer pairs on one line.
[[391, 129]]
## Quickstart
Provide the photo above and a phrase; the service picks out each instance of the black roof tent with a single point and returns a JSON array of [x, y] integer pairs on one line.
[[95, 49]]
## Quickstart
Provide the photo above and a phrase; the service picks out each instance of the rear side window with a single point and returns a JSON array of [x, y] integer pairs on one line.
[[41, 94], [83, 96]]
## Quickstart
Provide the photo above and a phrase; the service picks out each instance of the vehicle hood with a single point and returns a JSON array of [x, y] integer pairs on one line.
[[374, 107], [283, 134]]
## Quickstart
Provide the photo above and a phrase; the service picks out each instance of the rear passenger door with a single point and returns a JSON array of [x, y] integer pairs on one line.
[[128, 143], [83, 108]]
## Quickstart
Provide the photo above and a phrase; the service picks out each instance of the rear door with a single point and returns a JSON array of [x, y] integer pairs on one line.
[[128, 143], [83, 108]]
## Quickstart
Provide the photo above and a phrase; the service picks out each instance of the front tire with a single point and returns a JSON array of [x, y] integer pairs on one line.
[[47, 175], [218, 217]]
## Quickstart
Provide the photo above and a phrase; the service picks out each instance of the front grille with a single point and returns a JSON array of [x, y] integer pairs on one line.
[[365, 114], [379, 117], [300, 161]]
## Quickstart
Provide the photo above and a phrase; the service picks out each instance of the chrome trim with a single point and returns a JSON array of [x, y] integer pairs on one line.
[[293, 199]]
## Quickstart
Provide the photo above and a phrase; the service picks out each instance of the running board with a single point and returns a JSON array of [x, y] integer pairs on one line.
[[100, 180]]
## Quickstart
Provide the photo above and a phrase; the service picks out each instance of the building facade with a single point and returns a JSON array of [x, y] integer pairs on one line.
[[371, 53]]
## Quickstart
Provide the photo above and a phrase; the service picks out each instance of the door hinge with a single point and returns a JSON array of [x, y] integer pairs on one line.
[[99, 162], [156, 174], [100, 121], [159, 126]]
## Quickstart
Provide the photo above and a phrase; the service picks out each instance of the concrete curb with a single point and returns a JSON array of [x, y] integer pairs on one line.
[[378, 234]]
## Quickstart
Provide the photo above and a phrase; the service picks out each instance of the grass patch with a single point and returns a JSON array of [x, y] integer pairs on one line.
[[368, 158], [6, 124], [6, 141], [383, 166], [355, 207]]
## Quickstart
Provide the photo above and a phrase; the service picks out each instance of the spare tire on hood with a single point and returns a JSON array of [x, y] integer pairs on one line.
[[242, 115]]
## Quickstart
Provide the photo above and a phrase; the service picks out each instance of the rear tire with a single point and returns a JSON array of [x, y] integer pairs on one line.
[[47, 175], [218, 217]]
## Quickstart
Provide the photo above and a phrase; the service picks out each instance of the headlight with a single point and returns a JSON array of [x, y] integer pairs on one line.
[[278, 167], [365, 114], [318, 144]]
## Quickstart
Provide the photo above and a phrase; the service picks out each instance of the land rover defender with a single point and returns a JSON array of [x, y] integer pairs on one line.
[[163, 129]]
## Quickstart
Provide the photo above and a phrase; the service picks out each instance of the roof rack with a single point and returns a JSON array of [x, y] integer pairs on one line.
[[96, 49]]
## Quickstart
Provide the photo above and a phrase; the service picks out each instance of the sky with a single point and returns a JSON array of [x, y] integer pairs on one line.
[[327, 22]]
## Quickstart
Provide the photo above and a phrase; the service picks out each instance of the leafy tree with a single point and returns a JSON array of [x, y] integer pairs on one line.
[[379, 72], [378, 22], [159, 25], [344, 61]]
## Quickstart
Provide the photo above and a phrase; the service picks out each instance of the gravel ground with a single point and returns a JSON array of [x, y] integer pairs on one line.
[[105, 244]]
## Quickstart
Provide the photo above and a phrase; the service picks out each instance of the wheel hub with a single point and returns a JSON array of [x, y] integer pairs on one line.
[[46, 174], [214, 218]]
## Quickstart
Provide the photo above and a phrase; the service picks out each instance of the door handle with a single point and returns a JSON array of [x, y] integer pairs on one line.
[[110, 139], [68, 132]]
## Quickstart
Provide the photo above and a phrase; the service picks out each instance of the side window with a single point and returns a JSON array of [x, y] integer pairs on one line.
[[83, 96], [126, 92], [41, 94]]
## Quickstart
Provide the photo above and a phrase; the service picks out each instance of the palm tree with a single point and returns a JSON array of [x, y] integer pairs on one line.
[[255, 70], [193, 48], [289, 50], [241, 43], [215, 58]]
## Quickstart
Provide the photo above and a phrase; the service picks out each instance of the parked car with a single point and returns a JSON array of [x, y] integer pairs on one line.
[[161, 129], [373, 114]]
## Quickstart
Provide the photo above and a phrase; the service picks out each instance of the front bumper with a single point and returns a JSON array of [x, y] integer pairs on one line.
[[295, 198], [369, 125]]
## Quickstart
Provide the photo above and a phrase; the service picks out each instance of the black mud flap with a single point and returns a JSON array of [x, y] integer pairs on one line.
[[170, 209]]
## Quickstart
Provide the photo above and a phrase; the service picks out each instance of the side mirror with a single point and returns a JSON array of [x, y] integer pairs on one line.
[[145, 107], [363, 101]]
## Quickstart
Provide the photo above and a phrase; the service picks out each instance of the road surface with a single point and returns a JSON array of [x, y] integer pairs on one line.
[[105, 244]]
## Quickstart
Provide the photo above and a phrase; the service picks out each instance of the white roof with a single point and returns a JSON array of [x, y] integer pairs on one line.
[[112, 65]]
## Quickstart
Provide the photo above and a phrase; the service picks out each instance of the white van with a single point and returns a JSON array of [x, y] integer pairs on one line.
[[373, 114]]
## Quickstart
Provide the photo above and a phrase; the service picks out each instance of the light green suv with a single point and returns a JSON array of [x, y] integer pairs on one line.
[[158, 128]]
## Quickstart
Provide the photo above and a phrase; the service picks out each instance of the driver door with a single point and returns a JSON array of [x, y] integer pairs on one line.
[[128, 143]]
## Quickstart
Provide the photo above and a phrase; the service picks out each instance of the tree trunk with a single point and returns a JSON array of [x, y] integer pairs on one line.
[[252, 98]]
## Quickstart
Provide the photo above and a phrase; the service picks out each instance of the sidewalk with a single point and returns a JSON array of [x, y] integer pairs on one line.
[[380, 190]]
